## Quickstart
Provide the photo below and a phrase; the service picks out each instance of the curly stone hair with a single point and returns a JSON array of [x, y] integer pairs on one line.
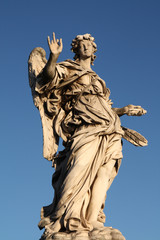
[[75, 45]]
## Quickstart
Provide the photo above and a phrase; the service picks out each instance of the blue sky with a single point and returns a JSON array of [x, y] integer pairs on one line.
[[127, 33]]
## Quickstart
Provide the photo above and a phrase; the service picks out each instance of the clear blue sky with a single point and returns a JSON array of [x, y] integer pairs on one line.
[[127, 33]]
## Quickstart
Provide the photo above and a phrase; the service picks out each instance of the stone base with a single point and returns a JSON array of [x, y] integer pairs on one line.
[[106, 233]]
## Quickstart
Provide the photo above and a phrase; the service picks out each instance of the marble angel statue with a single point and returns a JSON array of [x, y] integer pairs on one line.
[[74, 105]]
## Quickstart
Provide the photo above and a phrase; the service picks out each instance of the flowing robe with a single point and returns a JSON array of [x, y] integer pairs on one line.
[[92, 133]]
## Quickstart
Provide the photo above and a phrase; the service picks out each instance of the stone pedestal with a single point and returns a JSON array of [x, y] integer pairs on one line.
[[106, 233]]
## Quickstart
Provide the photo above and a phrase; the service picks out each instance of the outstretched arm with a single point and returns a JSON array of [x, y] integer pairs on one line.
[[130, 110], [55, 47]]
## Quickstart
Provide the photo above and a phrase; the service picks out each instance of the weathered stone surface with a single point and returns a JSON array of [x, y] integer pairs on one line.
[[74, 105], [106, 233]]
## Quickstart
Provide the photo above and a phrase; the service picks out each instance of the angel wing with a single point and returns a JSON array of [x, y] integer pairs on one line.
[[36, 62]]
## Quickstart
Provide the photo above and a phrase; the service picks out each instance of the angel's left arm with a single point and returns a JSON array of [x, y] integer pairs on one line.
[[130, 110], [120, 111]]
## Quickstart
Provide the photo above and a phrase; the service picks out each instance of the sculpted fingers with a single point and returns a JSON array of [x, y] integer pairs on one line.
[[55, 45], [54, 38], [143, 111], [60, 41], [61, 44], [48, 39], [135, 110], [140, 110]]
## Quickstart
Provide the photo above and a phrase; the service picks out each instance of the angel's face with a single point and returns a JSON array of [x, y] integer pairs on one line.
[[85, 49]]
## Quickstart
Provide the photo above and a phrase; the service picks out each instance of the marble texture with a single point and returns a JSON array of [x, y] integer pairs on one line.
[[107, 233], [74, 104]]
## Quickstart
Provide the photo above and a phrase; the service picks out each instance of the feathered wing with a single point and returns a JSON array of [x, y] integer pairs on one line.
[[134, 137], [37, 61]]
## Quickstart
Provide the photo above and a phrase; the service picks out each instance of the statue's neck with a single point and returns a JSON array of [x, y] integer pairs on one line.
[[85, 63]]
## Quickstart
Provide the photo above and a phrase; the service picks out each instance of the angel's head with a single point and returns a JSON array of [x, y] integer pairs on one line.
[[84, 47]]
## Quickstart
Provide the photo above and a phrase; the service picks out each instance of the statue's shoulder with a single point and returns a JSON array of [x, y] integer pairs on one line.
[[70, 64]]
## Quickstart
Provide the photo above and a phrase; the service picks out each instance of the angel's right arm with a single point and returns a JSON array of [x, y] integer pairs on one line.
[[55, 47]]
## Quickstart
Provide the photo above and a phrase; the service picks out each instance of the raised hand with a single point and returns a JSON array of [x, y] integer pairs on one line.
[[132, 110], [55, 46]]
